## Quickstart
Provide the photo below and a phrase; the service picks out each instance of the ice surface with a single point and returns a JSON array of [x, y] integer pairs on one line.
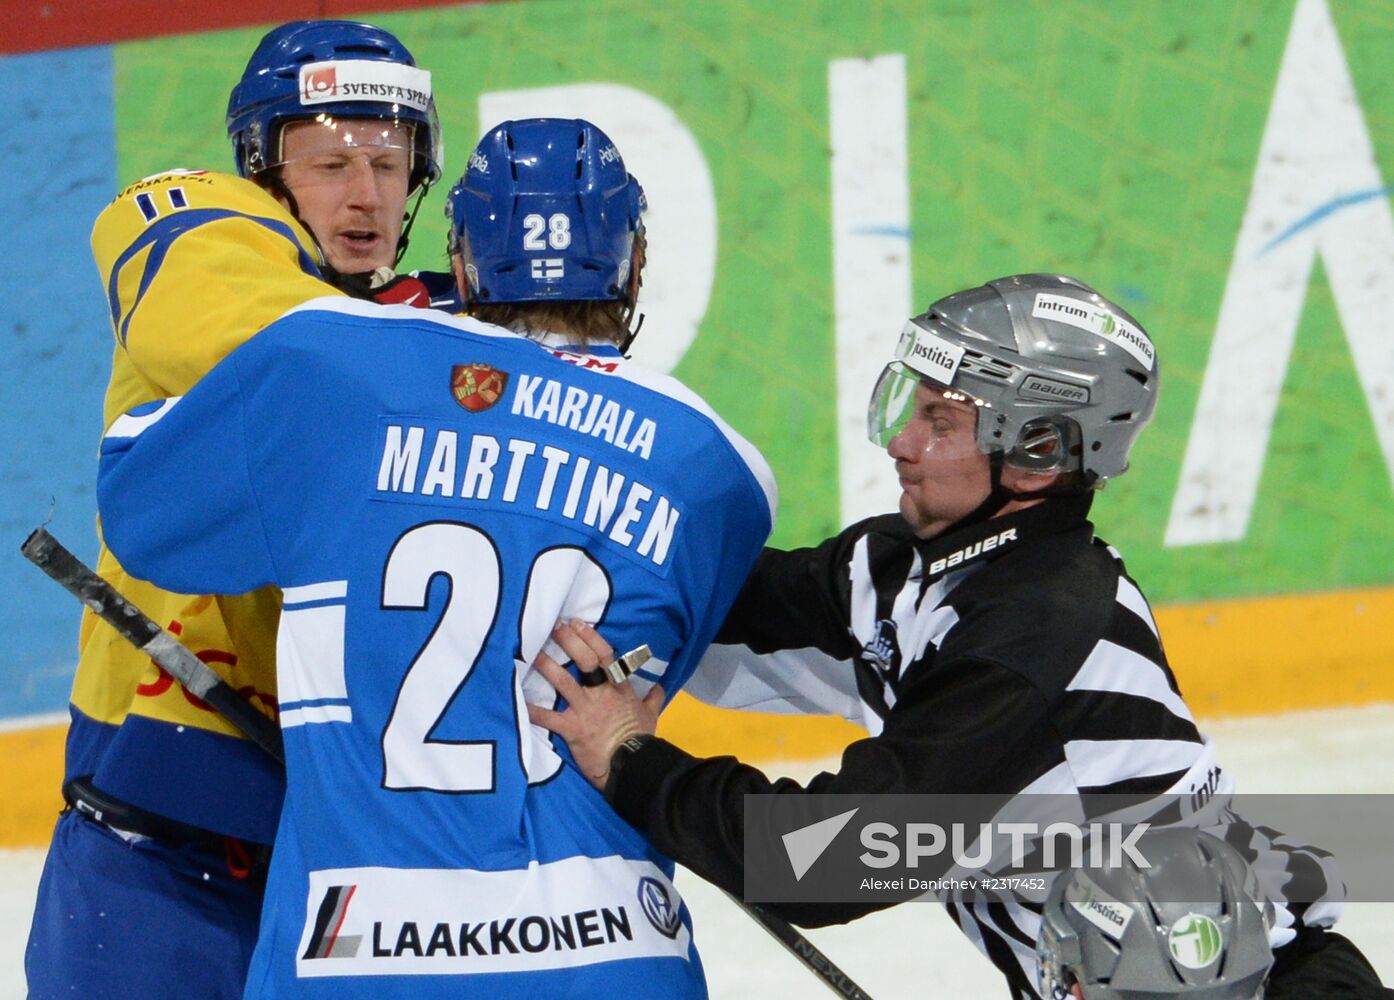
[[914, 950]]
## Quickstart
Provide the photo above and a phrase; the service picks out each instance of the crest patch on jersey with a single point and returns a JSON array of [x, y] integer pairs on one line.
[[478, 386]]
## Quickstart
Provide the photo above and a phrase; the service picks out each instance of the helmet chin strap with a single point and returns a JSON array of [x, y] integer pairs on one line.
[[270, 181], [631, 302], [999, 495], [408, 221], [358, 285], [631, 331]]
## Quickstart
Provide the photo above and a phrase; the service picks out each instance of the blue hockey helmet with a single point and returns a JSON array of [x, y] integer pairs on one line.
[[336, 69], [546, 211]]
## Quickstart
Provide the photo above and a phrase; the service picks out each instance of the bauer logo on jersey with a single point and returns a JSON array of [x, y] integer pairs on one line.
[[365, 80], [445, 921], [478, 386]]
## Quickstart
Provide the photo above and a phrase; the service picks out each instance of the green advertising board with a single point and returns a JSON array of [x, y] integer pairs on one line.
[[819, 170]]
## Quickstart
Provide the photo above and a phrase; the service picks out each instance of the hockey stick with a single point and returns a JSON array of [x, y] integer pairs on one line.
[[66, 569], [804, 950], [47, 553]]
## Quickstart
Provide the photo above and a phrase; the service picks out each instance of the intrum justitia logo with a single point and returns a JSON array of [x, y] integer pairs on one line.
[[1195, 941]]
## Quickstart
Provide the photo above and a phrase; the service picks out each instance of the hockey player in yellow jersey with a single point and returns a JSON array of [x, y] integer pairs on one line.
[[154, 877], [193, 263]]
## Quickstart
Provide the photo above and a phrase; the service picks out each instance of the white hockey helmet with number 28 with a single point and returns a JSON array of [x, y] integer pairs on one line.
[[1064, 379]]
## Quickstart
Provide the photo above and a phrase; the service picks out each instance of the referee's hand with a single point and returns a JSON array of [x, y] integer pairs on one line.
[[597, 719]]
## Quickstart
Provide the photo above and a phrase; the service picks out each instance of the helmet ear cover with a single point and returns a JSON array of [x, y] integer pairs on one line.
[[1048, 444]]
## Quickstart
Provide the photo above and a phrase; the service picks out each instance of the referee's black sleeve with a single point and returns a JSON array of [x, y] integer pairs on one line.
[[692, 809], [800, 597]]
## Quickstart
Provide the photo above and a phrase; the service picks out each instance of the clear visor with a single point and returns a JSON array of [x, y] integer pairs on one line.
[[903, 396], [940, 421], [892, 403], [326, 147]]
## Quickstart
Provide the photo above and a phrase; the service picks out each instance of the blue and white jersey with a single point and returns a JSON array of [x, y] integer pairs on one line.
[[432, 494]]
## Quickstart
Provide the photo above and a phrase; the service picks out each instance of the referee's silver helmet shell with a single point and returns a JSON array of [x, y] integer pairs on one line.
[[1043, 351], [1193, 925]]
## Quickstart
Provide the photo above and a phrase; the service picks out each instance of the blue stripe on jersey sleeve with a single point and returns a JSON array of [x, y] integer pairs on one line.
[[161, 236]]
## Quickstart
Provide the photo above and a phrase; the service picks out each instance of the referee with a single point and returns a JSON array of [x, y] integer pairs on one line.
[[983, 636]]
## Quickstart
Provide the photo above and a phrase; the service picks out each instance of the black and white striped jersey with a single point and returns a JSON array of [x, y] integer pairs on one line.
[[1010, 656]]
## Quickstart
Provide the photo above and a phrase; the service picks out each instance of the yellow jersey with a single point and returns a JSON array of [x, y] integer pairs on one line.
[[193, 264]]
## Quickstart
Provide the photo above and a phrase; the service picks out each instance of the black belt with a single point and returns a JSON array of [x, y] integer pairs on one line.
[[243, 857]]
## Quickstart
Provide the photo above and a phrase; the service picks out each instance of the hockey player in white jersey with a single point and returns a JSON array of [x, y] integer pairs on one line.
[[432, 495]]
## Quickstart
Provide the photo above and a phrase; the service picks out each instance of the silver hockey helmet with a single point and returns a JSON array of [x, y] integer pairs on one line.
[[1064, 378], [1193, 925]]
